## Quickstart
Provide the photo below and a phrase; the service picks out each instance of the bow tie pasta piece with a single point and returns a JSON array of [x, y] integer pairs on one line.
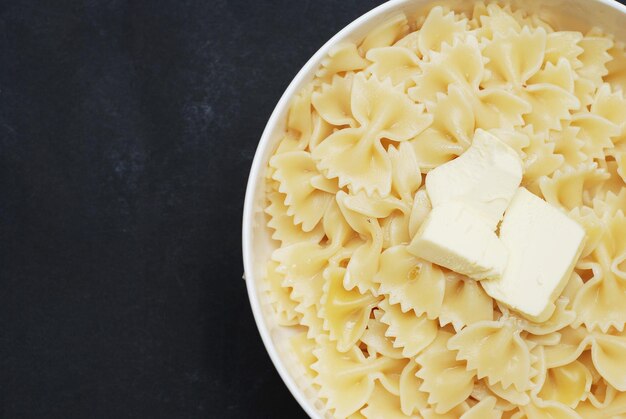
[[541, 159], [321, 130], [617, 405], [360, 212], [396, 229], [302, 264], [302, 261], [568, 144], [514, 57], [601, 394], [477, 344], [410, 332], [563, 44], [412, 399], [361, 205], [450, 133], [479, 9], [610, 204], [485, 409], [573, 187], [341, 58], [464, 303], [447, 380], [537, 378], [396, 63], [596, 133], [600, 301], [410, 42], [615, 183], [390, 376], [311, 320], [551, 106], [499, 108], [377, 339], [609, 357], [617, 67], [332, 103], [594, 58], [384, 108], [509, 395], [345, 313], [544, 340], [455, 413], [596, 378], [288, 143], [568, 384], [406, 179], [493, 19], [285, 229], [608, 354], [438, 29], [584, 90], [356, 156], [393, 213], [302, 348], [294, 171], [482, 391], [363, 264], [383, 404], [411, 282], [601, 397], [540, 409], [299, 119], [572, 344], [280, 297], [347, 380], [460, 63], [615, 409], [454, 115], [337, 229], [525, 18], [387, 33], [559, 74], [612, 106]]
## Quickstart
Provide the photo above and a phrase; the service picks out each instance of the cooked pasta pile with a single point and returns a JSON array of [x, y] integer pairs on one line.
[[383, 334]]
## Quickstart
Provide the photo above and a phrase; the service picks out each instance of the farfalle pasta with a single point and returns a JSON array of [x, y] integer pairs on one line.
[[381, 333]]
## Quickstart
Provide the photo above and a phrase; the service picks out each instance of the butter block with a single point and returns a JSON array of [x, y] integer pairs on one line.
[[455, 237], [485, 177], [543, 246]]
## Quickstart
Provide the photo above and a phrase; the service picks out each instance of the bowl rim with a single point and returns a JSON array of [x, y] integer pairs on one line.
[[255, 176]]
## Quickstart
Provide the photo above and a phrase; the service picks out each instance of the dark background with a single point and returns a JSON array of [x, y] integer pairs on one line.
[[127, 130]]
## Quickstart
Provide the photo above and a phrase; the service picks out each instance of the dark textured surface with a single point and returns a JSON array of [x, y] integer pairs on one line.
[[126, 133]]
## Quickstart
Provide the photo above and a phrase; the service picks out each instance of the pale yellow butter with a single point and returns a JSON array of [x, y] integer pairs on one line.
[[485, 178], [543, 246], [455, 237]]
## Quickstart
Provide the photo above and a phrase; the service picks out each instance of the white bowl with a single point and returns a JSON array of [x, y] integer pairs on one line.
[[257, 243]]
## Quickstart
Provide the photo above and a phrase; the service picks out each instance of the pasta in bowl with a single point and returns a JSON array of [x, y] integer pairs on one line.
[[358, 321]]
